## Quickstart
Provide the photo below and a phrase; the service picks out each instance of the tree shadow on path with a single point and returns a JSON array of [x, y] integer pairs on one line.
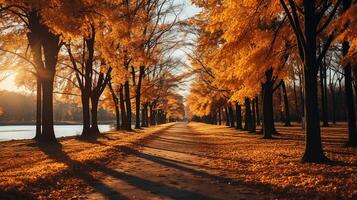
[[80, 170]]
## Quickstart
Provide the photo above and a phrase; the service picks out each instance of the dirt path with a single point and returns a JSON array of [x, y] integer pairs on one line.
[[168, 166]]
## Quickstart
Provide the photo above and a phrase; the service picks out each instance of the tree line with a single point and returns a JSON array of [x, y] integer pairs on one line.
[[247, 52], [117, 52]]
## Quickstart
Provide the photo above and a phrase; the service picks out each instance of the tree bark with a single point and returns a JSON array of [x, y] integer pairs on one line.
[[137, 98], [351, 116], [48, 133], [352, 134], [231, 116], [122, 108], [248, 125], [94, 129], [286, 104], [239, 116], [219, 116], [313, 147], [257, 110], [297, 112], [116, 106], [38, 108], [268, 115], [333, 103], [128, 106], [86, 114], [324, 107], [227, 116], [253, 114]]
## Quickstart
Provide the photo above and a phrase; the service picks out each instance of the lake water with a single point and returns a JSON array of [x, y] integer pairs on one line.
[[20, 132]]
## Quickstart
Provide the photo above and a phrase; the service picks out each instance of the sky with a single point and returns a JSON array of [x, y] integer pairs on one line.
[[189, 10]]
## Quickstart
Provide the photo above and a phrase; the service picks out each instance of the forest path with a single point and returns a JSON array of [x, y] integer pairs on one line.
[[171, 165]]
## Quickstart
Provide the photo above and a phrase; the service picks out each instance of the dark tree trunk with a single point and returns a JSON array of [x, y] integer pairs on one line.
[[302, 99], [352, 134], [38, 108], [94, 112], [333, 101], [147, 115], [268, 115], [128, 106], [351, 116], [48, 133], [231, 116], [281, 108], [144, 115], [227, 116], [45, 46], [219, 116], [313, 147], [286, 104], [257, 110], [324, 107], [86, 114], [137, 98], [122, 108], [248, 125], [298, 117], [253, 115], [116, 106], [239, 116]]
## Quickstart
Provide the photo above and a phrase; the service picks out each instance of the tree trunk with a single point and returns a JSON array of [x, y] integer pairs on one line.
[[147, 115], [268, 113], [248, 125], [352, 134], [116, 106], [94, 129], [48, 133], [298, 117], [286, 104], [227, 116], [86, 114], [137, 98], [219, 116], [38, 108], [128, 106], [122, 108], [239, 116], [281, 108], [143, 116], [257, 110], [323, 97], [333, 101], [302, 100], [313, 147], [231, 116], [253, 114]]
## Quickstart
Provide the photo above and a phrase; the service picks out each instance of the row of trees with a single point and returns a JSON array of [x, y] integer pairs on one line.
[[248, 50], [84, 49]]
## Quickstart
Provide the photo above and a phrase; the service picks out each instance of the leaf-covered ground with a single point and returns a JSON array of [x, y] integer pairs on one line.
[[276, 162], [180, 161], [31, 171]]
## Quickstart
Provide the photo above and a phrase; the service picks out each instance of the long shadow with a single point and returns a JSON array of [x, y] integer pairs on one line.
[[154, 187], [166, 163], [191, 153], [259, 187], [80, 170]]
